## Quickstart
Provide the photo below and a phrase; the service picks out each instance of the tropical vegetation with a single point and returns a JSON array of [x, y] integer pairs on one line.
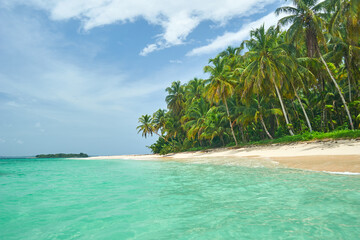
[[296, 83]]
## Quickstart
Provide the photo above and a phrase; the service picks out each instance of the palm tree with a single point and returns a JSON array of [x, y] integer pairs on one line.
[[256, 110], [269, 62], [220, 86], [214, 125], [344, 27], [296, 80], [176, 97], [346, 14], [194, 89], [145, 126], [306, 22], [193, 120], [299, 76], [159, 120]]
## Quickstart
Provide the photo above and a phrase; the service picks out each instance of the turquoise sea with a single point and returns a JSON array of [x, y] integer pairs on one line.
[[124, 199]]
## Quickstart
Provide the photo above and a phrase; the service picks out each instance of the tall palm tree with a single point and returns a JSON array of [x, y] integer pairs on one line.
[[220, 86], [269, 65], [306, 22]]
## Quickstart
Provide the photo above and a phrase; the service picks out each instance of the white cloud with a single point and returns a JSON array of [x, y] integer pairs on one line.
[[148, 49], [177, 18], [233, 38]]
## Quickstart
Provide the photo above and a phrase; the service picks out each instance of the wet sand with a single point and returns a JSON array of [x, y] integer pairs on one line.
[[326, 155]]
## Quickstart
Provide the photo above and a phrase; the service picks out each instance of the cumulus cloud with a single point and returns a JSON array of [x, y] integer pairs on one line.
[[233, 38], [177, 18]]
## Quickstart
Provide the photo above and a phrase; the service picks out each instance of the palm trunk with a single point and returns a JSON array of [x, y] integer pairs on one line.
[[262, 120], [164, 138], [232, 130], [303, 109], [264, 126], [283, 107], [339, 90], [161, 136]]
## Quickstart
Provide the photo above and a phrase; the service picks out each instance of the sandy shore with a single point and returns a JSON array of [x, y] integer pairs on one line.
[[332, 156]]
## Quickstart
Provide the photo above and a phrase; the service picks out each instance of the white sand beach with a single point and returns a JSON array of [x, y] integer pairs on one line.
[[324, 155]]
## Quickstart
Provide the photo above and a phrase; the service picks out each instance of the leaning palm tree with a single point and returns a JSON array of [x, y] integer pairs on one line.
[[221, 85], [269, 64], [306, 22]]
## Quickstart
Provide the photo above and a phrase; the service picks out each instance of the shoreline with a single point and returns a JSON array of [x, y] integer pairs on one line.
[[334, 156]]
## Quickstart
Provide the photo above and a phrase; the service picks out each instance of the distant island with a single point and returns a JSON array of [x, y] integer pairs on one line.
[[63, 155]]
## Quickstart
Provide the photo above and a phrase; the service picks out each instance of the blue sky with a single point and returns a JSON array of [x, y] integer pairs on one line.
[[75, 76]]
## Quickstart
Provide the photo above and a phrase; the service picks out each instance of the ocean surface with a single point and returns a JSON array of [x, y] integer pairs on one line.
[[124, 199]]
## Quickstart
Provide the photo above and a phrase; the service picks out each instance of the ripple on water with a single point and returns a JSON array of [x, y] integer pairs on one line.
[[68, 199]]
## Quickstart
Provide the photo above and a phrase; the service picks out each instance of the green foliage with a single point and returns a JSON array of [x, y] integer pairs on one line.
[[63, 155], [307, 136], [158, 145]]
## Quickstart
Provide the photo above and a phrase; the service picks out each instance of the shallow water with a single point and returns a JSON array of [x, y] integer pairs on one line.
[[122, 199]]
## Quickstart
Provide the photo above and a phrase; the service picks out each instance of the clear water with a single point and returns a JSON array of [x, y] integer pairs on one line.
[[73, 199]]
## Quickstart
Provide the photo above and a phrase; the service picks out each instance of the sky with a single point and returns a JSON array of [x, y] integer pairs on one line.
[[75, 76]]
